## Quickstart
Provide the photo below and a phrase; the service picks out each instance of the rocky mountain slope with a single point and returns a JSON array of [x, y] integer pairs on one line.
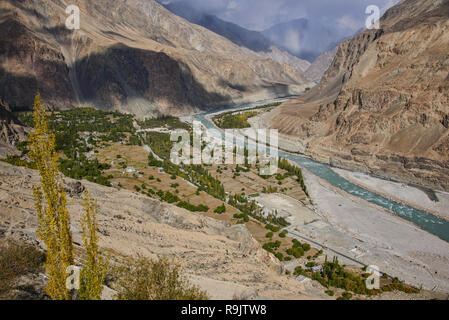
[[11, 130], [133, 56], [222, 259], [383, 105], [252, 40], [317, 69]]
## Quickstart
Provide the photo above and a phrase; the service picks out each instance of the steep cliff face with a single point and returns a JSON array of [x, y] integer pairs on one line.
[[132, 55], [383, 105], [11, 130]]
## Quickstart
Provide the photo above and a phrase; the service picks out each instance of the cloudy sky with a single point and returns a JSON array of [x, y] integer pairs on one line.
[[346, 15]]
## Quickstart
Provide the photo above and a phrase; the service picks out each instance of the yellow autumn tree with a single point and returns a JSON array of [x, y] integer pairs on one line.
[[94, 271], [51, 205]]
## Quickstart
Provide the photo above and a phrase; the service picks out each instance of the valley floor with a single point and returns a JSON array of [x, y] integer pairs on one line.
[[374, 236], [371, 234]]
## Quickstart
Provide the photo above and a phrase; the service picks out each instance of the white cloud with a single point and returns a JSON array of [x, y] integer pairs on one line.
[[292, 40], [348, 23]]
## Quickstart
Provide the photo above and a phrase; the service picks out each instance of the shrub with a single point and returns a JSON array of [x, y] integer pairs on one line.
[[272, 228], [306, 247], [144, 279], [330, 293], [269, 235], [17, 260], [280, 256], [193, 208], [345, 296], [310, 264], [221, 209]]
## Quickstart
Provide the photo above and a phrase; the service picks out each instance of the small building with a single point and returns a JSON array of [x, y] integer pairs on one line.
[[302, 279], [131, 170], [317, 269]]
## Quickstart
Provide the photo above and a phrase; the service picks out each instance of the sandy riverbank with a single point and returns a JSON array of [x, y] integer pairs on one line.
[[400, 192], [380, 238]]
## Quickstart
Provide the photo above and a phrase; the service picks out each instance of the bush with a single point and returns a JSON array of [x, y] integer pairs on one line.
[[345, 296], [193, 208], [221, 209], [272, 228], [330, 293], [269, 235], [283, 234], [144, 279], [310, 264], [280, 256], [17, 260], [306, 247]]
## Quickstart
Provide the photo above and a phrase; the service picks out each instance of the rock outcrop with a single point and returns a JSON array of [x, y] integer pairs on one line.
[[383, 104], [11, 131], [133, 56]]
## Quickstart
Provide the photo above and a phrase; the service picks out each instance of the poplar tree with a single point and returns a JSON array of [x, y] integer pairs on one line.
[[94, 271], [51, 205]]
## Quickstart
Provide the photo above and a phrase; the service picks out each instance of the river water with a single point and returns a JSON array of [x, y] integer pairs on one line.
[[422, 219]]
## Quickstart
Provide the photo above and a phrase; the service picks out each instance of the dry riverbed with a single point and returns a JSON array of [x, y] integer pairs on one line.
[[374, 236]]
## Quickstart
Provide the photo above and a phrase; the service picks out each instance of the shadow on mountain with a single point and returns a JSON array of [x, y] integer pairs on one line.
[[279, 90], [120, 74]]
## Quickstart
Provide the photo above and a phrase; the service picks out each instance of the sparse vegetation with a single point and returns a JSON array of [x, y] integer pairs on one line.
[[143, 279], [239, 119], [168, 122], [17, 259], [221, 209], [188, 206]]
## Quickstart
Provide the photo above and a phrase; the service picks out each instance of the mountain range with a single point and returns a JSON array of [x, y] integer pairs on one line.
[[133, 56], [307, 47], [253, 40]]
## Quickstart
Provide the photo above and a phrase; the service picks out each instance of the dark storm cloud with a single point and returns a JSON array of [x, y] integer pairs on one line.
[[347, 16]]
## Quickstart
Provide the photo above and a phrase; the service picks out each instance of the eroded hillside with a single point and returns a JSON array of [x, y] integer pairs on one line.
[[383, 105], [221, 258]]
